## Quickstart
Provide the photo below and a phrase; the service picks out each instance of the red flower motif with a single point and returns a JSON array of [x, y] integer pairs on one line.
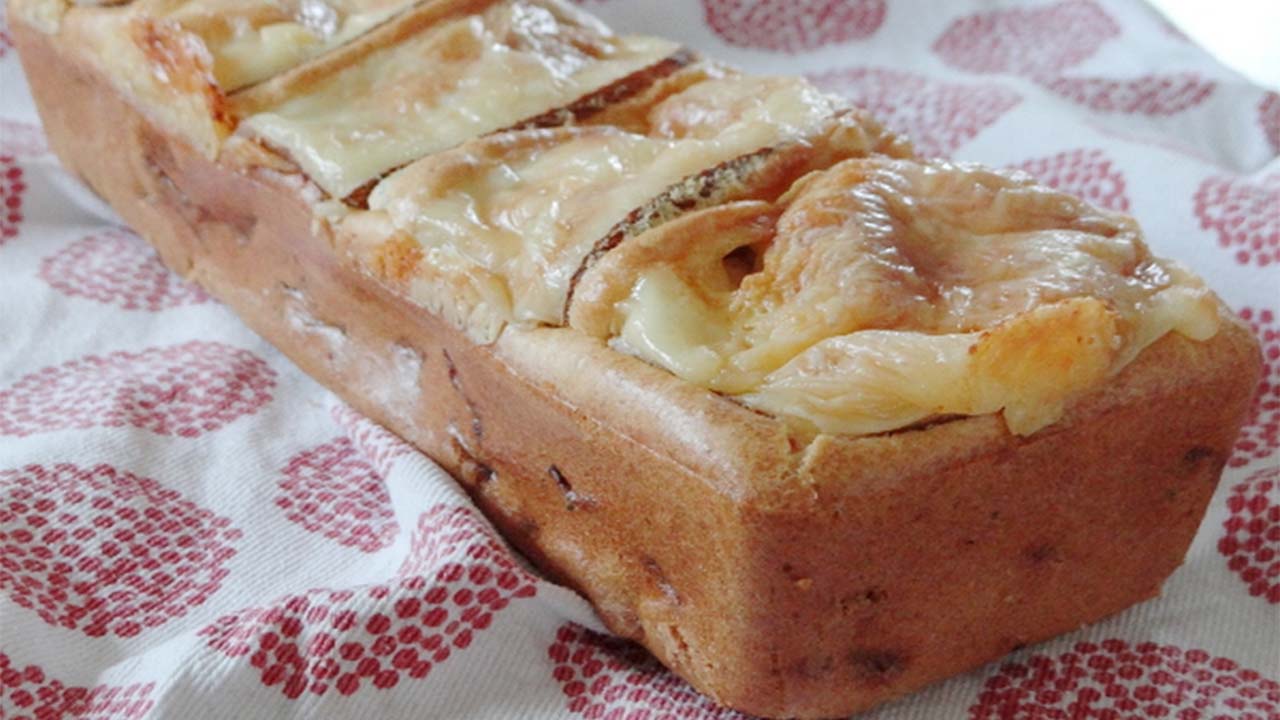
[[1115, 680], [116, 268], [1251, 541], [331, 490], [1087, 174], [378, 635], [606, 677], [12, 188], [21, 139], [1244, 214], [795, 26], [105, 551], [184, 390], [1261, 437], [1145, 95], [27, 693], [1034, 42], [939, 117], [379, 446], [1269, 119]]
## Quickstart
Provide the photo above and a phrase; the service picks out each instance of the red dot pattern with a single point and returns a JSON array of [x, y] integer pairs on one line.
[[1037, 42], [116, 267], [377, 636], [21, 139], [1245, 215], [380, 447], [12, 188], [331, 490], [1156, 95], [1260, 438], [1251, 537], [104, 551], [1114, 680], [607, 677], [184, 390], [1269, 119], [938, 117], [1085, 173], [793, 26], [27, 693]]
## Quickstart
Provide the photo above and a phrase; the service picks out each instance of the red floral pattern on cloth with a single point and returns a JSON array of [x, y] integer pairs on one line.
[[1040, 43], [21, 139], [1251, 535], [104, 551], [378, 635], [1115, 680], [185, 390], [12, 187], [1036, 42], [793, 26], [1269, 119], [1085, 173], [607, 677], [115, 267], [1244, 214], [379, 446], [1155, 95], [938, 117], [330, 489], [1260, 438], [28, 693]]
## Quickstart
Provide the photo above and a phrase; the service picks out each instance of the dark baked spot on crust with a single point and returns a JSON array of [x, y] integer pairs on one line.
[[816, 667], [875, 595], [875, 666], [455, 379], [572, 499], [1043, 553], [1196, 454], [479, 473], [453, 371], [659, 577], [862, 602], [1199, 457]]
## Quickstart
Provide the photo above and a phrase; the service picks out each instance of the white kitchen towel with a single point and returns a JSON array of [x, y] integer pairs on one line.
[[192, 528]]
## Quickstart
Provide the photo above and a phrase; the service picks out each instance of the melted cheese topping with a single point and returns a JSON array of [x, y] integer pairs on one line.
[[514, 215], [252, 40], [882, 293], [448, 84]]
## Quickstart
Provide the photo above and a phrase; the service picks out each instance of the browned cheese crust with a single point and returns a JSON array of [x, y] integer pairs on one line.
[[809, 581]]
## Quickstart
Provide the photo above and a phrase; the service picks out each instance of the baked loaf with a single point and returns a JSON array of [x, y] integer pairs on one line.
[[816, 421]]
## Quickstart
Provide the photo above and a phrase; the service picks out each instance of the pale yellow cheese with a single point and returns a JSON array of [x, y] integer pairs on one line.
[[525, 208], [252, 40], [892, 292], [461, 79]]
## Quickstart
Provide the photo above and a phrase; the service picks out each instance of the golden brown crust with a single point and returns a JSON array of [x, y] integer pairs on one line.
[[783, 579]]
